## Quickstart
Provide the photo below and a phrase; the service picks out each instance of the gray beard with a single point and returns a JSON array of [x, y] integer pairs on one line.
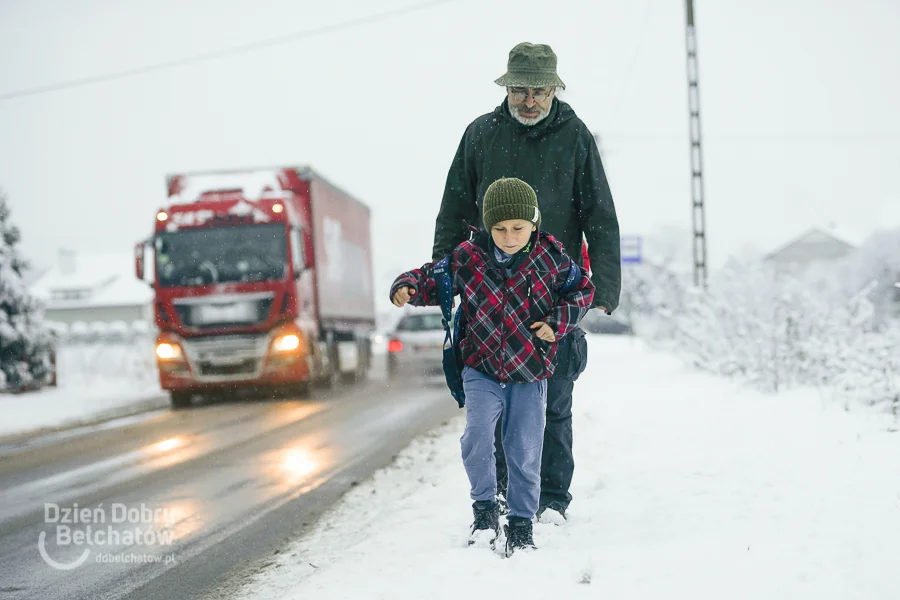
[[514, 111]]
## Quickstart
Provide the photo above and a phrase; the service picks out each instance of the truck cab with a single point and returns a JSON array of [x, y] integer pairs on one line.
[[237, 283]]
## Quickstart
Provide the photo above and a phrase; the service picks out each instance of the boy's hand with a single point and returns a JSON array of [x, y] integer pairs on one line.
[[544, 331], [402, 295]]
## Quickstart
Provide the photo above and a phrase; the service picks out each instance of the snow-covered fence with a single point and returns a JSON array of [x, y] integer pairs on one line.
[[113, 352], [100, 331]]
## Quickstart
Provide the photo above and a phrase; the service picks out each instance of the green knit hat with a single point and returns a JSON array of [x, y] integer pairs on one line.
[[510, 198]]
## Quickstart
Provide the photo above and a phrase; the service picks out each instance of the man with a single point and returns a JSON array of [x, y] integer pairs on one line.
[[536, 137]]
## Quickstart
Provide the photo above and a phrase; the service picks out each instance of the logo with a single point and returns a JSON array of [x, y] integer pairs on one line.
[[77, 533], [334, 241], [347, 263]]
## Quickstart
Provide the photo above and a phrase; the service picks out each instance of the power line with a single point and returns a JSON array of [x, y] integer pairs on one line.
[[632, 63], [216, 54]]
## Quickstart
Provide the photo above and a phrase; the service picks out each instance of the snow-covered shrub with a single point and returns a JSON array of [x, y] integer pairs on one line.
[[875, 267], [834, 326], [778, 331]]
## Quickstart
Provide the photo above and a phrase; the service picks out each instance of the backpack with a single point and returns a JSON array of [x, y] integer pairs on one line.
[[455, 324]]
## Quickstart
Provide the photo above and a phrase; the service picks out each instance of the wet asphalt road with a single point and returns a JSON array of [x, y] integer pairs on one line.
[[176, 505]]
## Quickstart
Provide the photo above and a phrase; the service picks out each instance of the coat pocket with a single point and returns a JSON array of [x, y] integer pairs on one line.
[[578, 353]]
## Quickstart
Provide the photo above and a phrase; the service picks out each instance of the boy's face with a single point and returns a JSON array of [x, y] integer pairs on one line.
[[511, 236]]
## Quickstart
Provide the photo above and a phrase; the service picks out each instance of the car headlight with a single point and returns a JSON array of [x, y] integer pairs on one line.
[[167, 351], [286, 343]]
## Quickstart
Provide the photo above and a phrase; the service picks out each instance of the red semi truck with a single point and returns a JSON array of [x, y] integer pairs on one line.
[[262, 278]]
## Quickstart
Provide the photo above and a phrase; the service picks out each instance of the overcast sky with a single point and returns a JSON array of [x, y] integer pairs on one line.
[[800, 102]]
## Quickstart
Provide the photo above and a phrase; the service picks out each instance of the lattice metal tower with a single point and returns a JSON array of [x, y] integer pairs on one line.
[[697, 205]]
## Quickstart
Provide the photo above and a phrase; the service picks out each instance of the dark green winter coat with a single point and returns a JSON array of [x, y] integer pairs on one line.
[[559, 159]]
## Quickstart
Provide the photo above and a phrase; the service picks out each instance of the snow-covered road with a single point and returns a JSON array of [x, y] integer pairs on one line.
[[172, 505], [686, 486]]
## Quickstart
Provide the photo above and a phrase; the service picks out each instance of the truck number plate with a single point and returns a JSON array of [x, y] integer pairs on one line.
[[237, 312]]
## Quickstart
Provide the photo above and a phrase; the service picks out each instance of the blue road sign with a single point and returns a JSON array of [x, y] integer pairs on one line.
[[630, 247]]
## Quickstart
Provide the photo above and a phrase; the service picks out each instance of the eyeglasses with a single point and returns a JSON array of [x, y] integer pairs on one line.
[[519, 94]]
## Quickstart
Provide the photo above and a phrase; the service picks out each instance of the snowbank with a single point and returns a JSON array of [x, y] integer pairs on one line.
[[686, 486], [95, 381]]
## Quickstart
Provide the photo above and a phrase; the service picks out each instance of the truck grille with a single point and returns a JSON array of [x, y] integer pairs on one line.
[[218, 358]]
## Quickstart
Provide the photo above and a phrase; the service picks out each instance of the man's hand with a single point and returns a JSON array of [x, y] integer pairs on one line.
[[402, 295], [602, 309], [544, 331]]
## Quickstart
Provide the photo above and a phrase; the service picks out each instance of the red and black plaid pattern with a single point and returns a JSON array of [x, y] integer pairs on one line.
[[500, 309]]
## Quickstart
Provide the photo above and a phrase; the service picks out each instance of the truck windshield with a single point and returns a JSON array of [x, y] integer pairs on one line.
[[221, 254]]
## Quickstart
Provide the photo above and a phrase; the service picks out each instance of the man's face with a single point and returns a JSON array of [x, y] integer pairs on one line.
[[512, 235], [529, 106]]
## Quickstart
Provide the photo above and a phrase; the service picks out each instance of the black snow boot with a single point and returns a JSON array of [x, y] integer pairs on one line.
[[518, 535], [552, 513], [486, 526]]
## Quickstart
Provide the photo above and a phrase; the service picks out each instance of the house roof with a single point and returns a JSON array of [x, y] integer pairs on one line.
[[841, 235], [92, 280]]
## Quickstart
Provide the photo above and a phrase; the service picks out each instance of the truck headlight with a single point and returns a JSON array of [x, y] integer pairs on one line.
[[167, 351], [286, 343]]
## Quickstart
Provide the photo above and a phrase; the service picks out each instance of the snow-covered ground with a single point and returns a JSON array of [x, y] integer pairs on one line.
[[95, 381], [58, 407], [686, 486]]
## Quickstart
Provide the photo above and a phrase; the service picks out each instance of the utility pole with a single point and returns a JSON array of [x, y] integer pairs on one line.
[[697, 206]]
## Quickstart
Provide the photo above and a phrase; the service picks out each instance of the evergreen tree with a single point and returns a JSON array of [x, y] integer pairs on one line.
[[24, 339]]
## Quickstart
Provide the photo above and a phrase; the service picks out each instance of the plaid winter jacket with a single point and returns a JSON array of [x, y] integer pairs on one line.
[[499, 310]]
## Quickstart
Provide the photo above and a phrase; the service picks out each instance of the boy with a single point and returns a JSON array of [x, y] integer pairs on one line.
[[520, 294]]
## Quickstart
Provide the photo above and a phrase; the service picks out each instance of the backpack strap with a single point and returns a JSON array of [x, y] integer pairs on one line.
[[444, 280], [451, 360]]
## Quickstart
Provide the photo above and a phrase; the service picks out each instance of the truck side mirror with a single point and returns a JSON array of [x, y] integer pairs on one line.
[[139, 259], [144, 268], [298, 253]]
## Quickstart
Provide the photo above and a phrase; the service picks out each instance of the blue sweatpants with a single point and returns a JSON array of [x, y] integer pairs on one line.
[[522, 408]]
